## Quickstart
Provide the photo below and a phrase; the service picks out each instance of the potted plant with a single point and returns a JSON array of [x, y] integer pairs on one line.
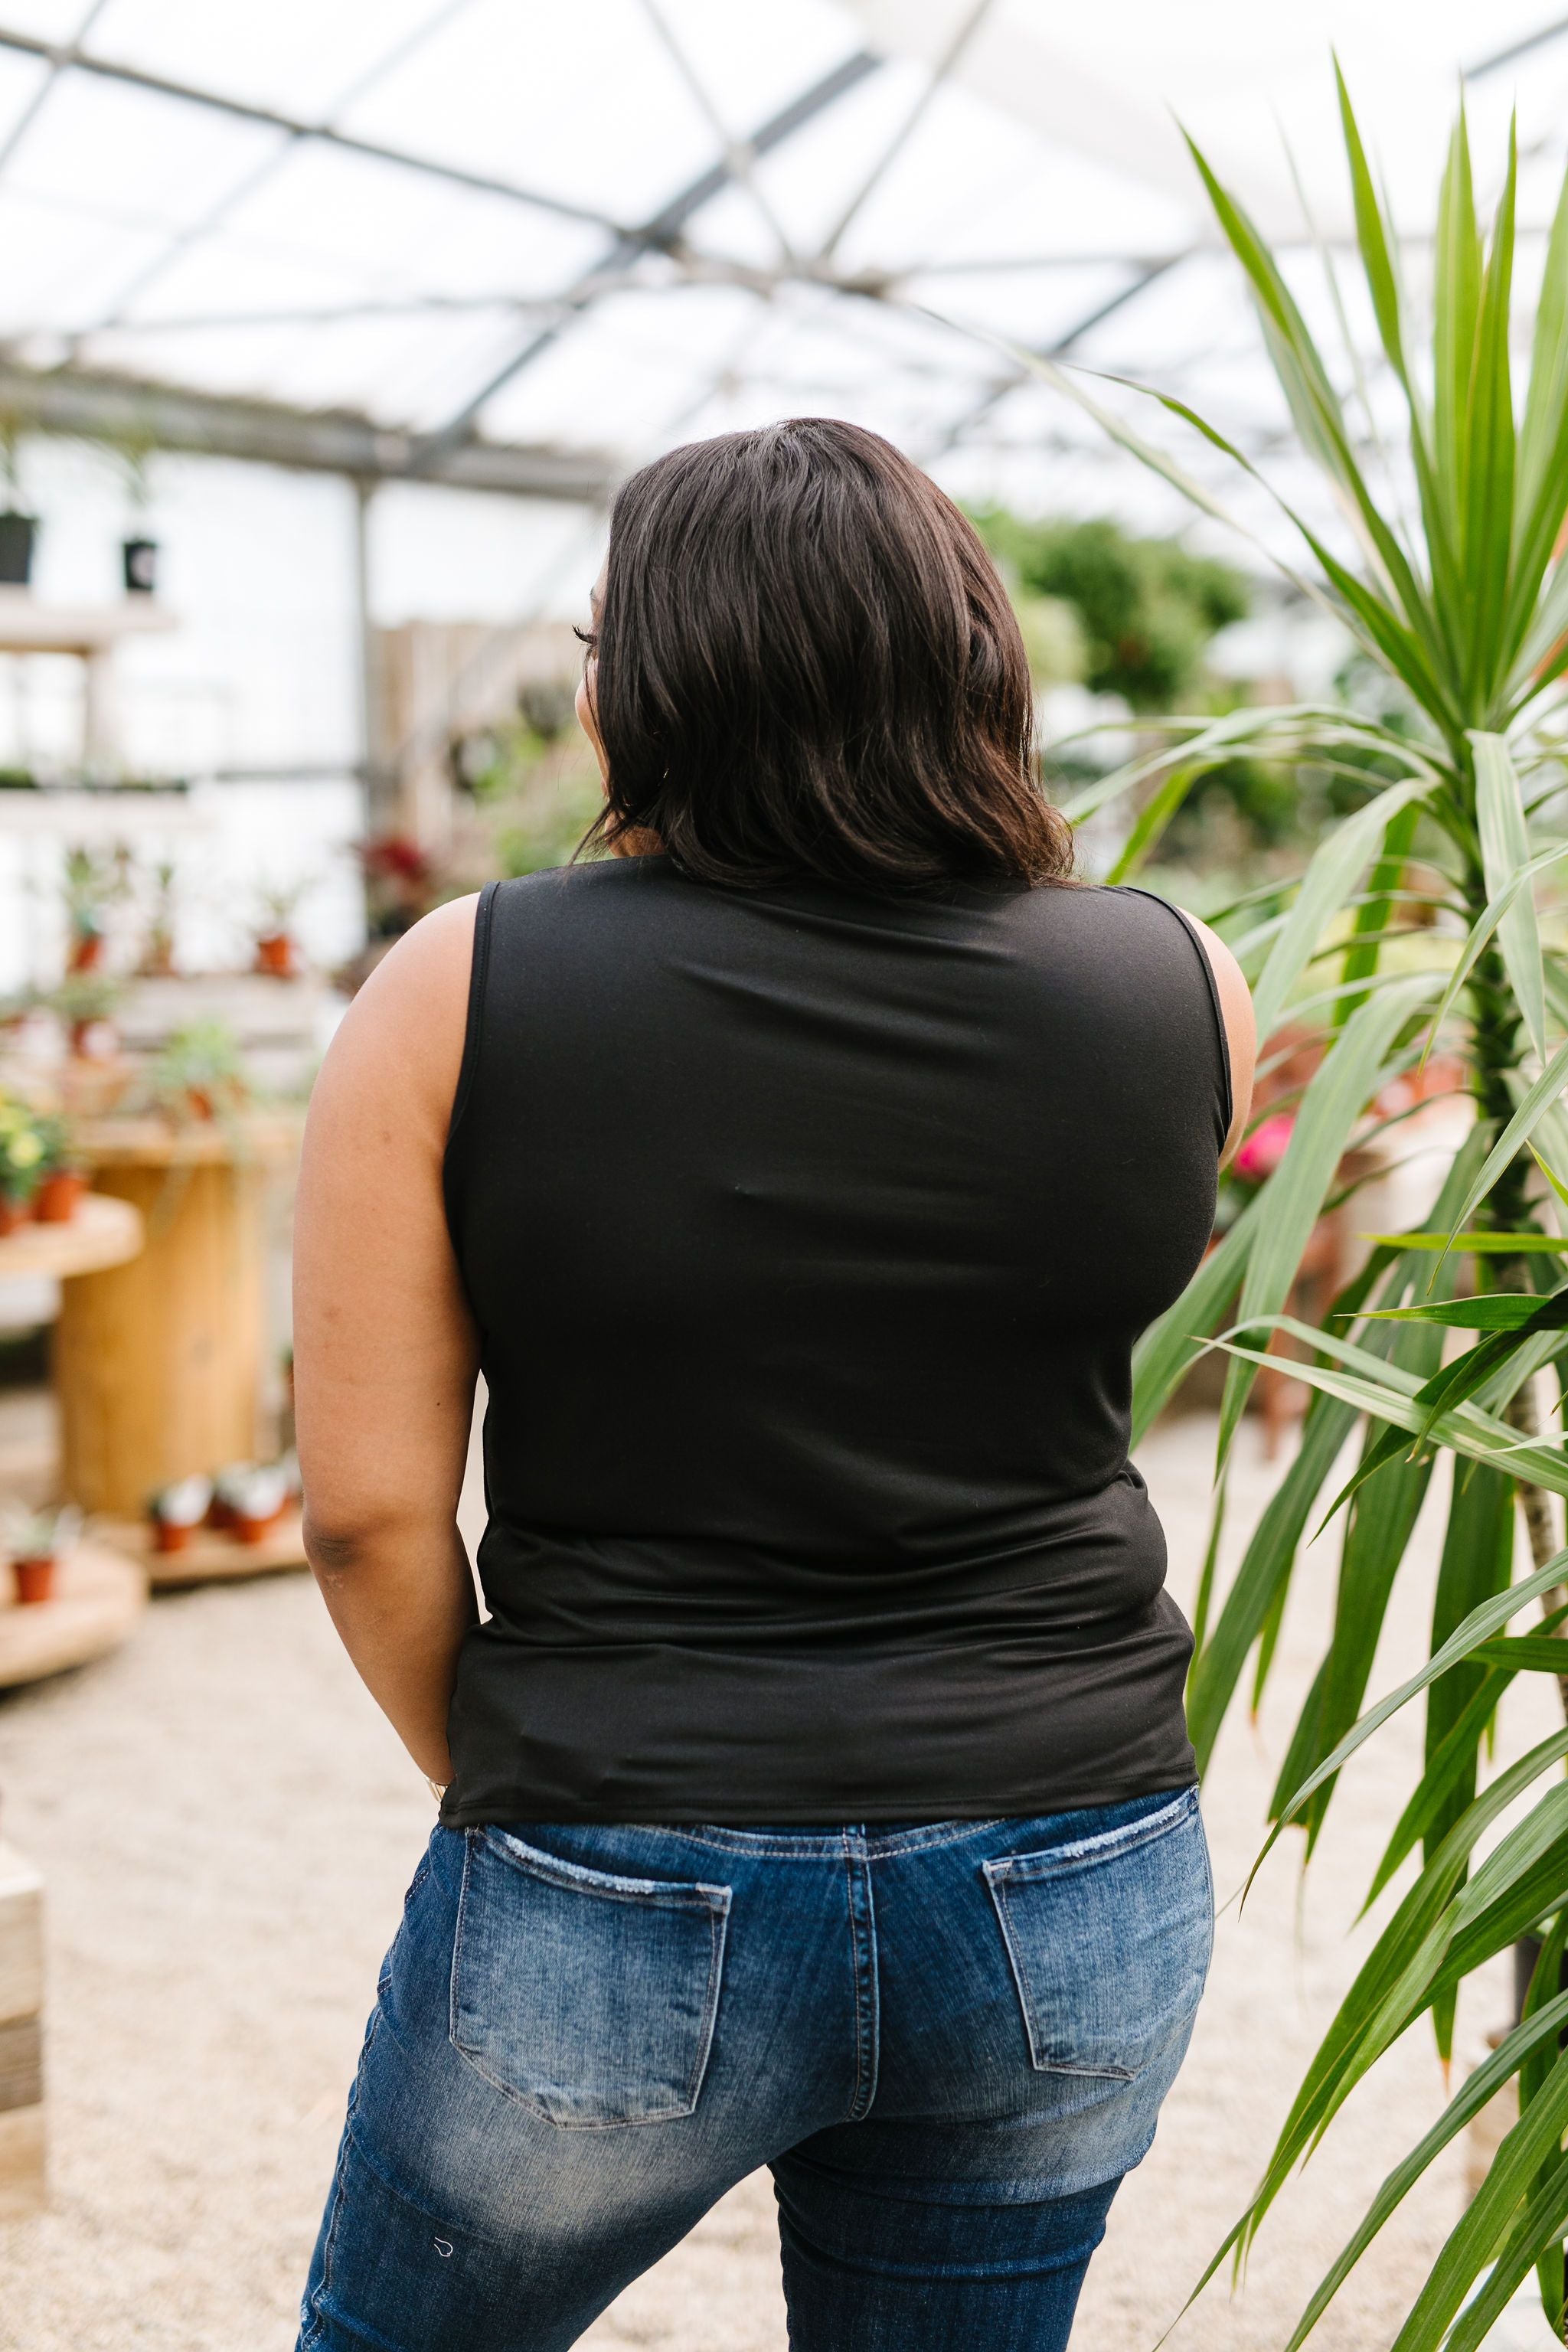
[[84, 1002], [37, 1540], [399, 884], [94, 879], [18, 532], [158, 952], [176, 1511], [229, 1484], [138, 550], [277, 952], [62, 1178], [21, 1157], [199, 1074], [260, 1501]]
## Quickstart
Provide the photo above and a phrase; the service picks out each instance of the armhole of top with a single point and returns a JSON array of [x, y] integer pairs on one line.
[[472, 1032], [1227, 1087]]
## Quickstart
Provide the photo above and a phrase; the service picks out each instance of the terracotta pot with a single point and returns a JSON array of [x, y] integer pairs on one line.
[[55, 1202], [35, 1580], [94, 1039], [13, 1213], [200, 1103], [171, 1535], [252, 1531], [276, 955], [86, 951]]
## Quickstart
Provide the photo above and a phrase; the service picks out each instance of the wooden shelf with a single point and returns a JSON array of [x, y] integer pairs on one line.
[[103, 1232], [209, 1558], [27, 627], [98, 1596]]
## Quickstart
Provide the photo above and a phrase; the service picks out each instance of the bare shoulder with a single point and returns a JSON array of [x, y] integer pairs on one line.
[[1240, 1027], [400, 1044]]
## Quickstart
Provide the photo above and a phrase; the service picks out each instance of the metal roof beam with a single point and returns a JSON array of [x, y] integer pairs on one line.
[[326, 441], [661, 232], [73, 59]]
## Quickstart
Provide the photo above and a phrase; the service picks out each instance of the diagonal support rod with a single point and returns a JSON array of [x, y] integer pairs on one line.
[[238, 109], [969, 26], [657, 233], [1057, 350]]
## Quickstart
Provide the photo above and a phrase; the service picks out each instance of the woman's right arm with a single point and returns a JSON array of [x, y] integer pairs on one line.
[[1240, 1031]]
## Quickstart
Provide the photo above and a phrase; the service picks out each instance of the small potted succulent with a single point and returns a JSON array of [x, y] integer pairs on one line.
[[277, 950], [157, 960], [199, 1074], [257, 1502], [37, 1540], [84, 1001], [21, 1161], [138, 550], [94, 880], [62, 1178], [227, 1487], [177, 1510]]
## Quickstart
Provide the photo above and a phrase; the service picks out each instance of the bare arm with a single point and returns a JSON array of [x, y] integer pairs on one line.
[[1240, 1029], [385, 1354]]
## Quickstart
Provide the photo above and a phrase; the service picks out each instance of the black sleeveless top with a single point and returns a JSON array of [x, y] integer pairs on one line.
[[808, 1235]]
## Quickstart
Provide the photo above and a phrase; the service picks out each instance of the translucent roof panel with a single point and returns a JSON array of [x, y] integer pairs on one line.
[[604, 228]]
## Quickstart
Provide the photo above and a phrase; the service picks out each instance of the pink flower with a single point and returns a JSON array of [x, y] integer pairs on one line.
[[1264, 1147]]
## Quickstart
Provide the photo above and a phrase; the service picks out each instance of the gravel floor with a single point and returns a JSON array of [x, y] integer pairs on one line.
[[227, 1826]]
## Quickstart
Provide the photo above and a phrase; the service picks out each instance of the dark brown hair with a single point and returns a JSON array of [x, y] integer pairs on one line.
[[807, 665]]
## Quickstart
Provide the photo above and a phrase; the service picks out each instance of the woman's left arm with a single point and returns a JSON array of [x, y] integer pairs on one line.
[[386, 1353]]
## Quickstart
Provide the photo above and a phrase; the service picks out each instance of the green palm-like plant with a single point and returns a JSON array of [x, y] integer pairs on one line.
[[1465, 605]]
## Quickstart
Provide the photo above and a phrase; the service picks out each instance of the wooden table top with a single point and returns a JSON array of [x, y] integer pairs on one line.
[[262, 1137], [102, 1232], [98, 1596]]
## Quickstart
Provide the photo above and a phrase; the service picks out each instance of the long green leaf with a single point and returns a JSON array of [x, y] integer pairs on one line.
[[1496, 2071], [1505, 853], [1457, 295], [1479, 1626], [1382, 1523], [1485, 2223], [1468, 1431], [1389, 1987], [1334, 1102], [1481, 931], [1372, 915], [1489, 512], [1167, 1347], [1541, 1096], [1315, 406], [1154, 818], [1541, 498], [1330, 879], [1539, 2228]]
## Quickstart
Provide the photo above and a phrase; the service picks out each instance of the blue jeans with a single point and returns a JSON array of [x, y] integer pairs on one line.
[[949, 2043]]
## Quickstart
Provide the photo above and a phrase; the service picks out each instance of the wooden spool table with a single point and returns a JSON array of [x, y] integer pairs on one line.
[[158, 1360], [98, 1596], [101, 1232]]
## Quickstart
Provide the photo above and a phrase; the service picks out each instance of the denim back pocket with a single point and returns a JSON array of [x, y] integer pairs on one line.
[[1108, 1939], [588, 1998]]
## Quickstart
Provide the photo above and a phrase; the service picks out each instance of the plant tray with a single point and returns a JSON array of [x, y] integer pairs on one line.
[[210, 1556], [98, 1596]]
